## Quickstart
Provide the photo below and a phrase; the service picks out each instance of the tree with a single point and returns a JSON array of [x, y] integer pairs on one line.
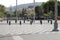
[[51, 0], [38, 12], [2, 10], [1, 14], [24, 12], [50, 14], [51, 5], [14, 15], [8, 15], [45, 15]]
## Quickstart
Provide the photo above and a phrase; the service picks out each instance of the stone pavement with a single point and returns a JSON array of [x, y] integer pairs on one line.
[[49, 36], [36, 31], [25, 28]]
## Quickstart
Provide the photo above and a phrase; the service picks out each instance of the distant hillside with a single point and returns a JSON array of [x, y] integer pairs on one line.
[[25, 5]]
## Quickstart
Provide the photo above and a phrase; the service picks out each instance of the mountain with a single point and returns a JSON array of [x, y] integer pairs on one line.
[[25, 5]]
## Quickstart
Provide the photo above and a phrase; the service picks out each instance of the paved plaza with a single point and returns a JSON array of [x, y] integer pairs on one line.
[[36, 31]]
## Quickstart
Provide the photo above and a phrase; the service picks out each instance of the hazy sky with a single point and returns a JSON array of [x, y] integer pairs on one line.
[[8, 3]]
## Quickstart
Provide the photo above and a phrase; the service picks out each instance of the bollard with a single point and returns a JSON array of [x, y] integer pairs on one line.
[[40, 21], [20, 22], [9, 22], [24, 21], [15, 21], [51, 21], [31, 22], [1, 20], [48, 20]]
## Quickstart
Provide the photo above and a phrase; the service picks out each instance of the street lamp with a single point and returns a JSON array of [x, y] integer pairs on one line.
[[10, 11], [16, 12], [56, 12], [48, 11], [34, 10], [24, 17]]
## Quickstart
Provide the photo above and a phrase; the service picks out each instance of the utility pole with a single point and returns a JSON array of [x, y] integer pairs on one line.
[[56, 14]]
